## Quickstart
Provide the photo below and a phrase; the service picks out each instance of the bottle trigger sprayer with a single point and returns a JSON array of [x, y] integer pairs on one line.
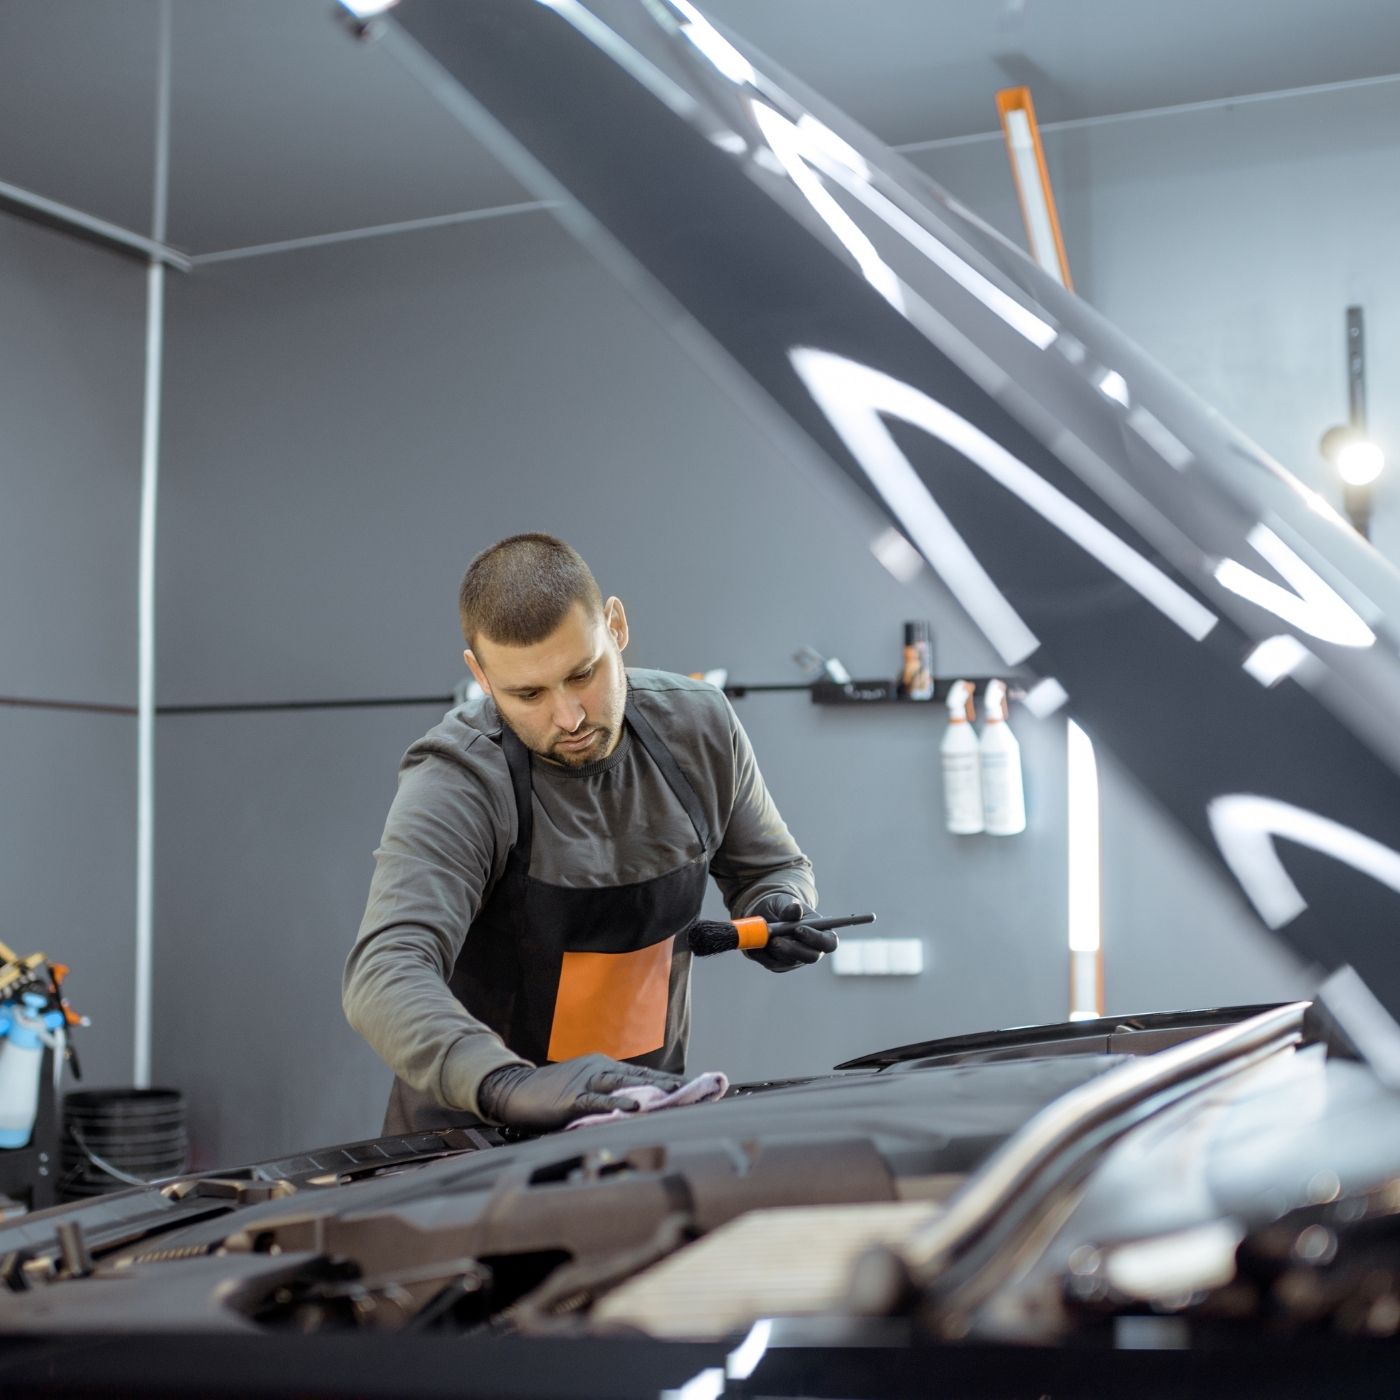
[[962, 780], [1003, 795], [27, 1028]]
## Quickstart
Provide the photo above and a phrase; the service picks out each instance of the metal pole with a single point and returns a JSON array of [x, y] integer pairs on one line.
[[1357, 498], [1356, 368], [146, 586]]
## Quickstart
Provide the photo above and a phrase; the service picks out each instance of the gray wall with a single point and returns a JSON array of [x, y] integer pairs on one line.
[[71, 363], [345, 427], [265, 827]]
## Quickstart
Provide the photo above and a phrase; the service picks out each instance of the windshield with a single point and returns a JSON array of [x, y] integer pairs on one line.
[[1203, 614]]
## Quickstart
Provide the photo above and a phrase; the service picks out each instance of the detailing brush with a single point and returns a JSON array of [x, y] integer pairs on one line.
[[708, 936]]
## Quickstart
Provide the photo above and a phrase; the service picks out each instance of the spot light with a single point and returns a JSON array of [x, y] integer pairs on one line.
[[1354, 456], [1358, 460]]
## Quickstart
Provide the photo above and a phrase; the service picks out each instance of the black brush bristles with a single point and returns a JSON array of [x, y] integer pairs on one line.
[[709, 936]]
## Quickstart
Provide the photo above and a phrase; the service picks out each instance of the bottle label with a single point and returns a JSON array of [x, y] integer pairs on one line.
[[962, 793], [1003, 802], [916, 678]]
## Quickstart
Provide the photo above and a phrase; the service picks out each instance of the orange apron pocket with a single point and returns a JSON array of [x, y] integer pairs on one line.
[[612, 1003]]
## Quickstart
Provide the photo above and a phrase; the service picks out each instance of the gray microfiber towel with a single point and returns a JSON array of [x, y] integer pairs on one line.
[[649, 1099]]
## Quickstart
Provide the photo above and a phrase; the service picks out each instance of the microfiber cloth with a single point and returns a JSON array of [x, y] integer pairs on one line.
[[649, 1099]]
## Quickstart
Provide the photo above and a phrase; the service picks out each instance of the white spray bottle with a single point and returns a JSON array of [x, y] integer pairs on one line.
[[962, 782], [1003, 794]]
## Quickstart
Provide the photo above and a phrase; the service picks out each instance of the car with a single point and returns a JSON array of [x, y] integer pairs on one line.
[[1203, 1200]]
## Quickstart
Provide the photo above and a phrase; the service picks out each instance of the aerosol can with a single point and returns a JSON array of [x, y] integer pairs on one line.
[[962, 779], [1003, 796], [25, 1029]]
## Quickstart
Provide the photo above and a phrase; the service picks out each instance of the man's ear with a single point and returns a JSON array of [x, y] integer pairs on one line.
[[475, 667], [616, 618]]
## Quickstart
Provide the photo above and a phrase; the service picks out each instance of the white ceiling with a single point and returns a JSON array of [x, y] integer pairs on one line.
[[283, 127]]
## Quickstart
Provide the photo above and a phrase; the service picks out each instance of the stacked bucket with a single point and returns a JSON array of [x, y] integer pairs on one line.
[[114, 1139]]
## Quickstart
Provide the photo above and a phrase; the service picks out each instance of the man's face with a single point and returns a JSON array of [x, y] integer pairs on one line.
[[564, 696]]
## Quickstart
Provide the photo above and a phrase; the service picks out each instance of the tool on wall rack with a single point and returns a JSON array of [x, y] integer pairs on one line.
[[17, 974], [999, 758], [34, 1017]]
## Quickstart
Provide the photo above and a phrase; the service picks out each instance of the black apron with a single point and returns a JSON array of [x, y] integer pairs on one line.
[[559, 972]]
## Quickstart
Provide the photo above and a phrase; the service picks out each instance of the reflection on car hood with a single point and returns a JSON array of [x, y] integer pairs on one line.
[[1202, 613]]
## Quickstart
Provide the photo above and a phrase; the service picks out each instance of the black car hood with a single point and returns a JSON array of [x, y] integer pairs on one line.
[[1202, 614], [210, 1253]]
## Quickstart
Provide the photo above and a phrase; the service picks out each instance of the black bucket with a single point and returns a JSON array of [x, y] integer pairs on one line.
[[113, 1138]]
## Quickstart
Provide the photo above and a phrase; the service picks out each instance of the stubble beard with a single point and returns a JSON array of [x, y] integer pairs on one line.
[[602, 746], [599, 746]]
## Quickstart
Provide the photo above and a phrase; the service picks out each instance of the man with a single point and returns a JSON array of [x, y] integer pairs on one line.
[[547, 848]]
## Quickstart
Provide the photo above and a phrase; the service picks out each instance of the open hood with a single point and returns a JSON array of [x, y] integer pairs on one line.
[[1199, 611]]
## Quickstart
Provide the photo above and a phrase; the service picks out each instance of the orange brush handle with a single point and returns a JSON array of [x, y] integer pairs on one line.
[[753, 933]]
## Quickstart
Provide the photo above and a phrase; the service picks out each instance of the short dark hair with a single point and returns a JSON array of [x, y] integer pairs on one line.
[[521, 589]]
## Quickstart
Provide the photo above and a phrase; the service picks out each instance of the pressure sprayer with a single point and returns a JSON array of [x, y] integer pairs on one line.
[[962, 778], [1003, 794], [26, 1027]]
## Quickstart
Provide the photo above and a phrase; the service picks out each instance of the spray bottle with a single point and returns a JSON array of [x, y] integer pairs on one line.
[[962, 782], [1003, 795], [26, 1028]]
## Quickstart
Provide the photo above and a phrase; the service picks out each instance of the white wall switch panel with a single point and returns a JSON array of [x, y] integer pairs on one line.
[[878, 957]]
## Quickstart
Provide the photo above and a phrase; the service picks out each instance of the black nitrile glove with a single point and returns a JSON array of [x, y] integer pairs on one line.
[[786, 951], [523, 1096]]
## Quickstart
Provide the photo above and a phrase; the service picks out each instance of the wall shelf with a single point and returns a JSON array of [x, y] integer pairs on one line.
[[880, 691], [884, 691]]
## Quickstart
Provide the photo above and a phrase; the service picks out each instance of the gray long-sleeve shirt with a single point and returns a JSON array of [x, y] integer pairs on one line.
[[452, 824]]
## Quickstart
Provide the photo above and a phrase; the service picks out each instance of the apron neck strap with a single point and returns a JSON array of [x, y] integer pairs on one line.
[[518, 764], [670, 770]]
